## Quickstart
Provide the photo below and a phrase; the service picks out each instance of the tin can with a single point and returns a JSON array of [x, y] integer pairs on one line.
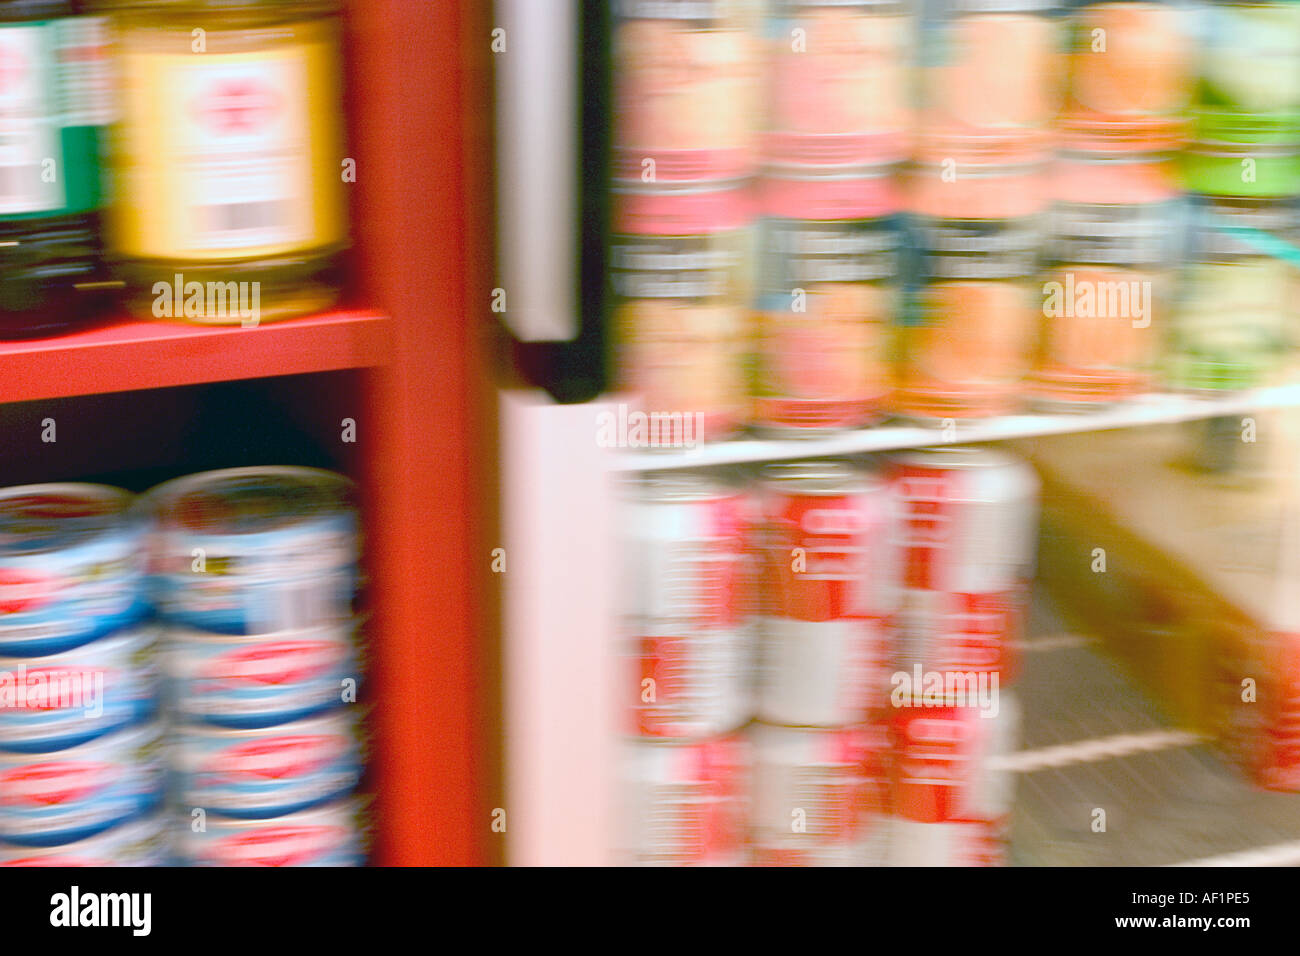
[[137, 843], [966, 517], [251, 681], [688, 622], [819, 795], [266, 772], [1113, 246], [255, 550], [59, 701], [966, 338], [1248, 170], [332, 835], [1237, 309], [822, 647], [991, 65], [839, 81], [1131, 66], [73, 794], [680, 264], [951, 790], [686, 88], [829, 260], [686, 803], [71, 566], [1249, 71]]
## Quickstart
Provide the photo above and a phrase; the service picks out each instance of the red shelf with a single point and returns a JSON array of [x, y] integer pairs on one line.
[[131, 354]]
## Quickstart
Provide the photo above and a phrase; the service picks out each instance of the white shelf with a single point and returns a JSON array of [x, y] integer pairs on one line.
[[1147, 410]]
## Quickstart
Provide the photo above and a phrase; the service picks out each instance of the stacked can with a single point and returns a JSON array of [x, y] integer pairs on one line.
[[1238, 304], [965, 518], [819, 794], [686, 101], [838, 122], [1113, 248], [687, 633], [81, 768], [966, 340], [254, 574]]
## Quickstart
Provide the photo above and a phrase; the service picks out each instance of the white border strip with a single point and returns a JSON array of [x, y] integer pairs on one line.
[[1099, 748]]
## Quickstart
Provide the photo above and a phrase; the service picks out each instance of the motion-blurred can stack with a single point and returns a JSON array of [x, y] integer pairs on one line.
[[81, 763], [255, 571], [819, 745], [687, 633], [686, 97], [1235, 327], [966, 531]]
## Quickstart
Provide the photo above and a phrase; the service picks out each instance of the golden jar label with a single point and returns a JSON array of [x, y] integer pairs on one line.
[[229, 155]]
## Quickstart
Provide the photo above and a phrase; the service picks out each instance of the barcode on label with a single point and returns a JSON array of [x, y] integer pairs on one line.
[[245, 216]]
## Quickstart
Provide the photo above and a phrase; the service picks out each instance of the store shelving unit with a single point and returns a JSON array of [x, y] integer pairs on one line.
[[413, 391]]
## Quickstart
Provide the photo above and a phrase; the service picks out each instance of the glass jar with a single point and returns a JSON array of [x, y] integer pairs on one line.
[[228, 159], [54, 104]]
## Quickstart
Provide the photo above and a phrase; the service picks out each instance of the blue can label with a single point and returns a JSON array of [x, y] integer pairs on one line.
[[331, 835], [256, 774], [50, 703], [260, 681], [72, 567], [73, 794]]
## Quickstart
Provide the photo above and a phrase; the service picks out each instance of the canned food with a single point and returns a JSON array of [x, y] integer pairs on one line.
[[1249, 170], [951, 792], [819, 795], [1249, 71], [966, 519], [259, 680], [822, 648], [58, 701], [71, 566], [1237, 311], [74, 794], [991, 64], [686, 803], [1130, 67], [1113, 247], [255, 550], [686, 88], [966, 339], [269, 771], [137, 843], [827, 300], [839, 81], [681, 303], [689, 614], [332, 835]]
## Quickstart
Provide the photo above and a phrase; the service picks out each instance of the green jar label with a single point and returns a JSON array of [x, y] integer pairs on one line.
[[54, 100]]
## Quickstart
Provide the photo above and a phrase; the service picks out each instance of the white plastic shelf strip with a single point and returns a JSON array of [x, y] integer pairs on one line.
[[1147, 410]]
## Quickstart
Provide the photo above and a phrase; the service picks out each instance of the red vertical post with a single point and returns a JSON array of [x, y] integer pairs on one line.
[[409, 97]]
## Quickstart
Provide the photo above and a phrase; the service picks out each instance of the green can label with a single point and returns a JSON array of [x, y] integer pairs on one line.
[[54, 100]]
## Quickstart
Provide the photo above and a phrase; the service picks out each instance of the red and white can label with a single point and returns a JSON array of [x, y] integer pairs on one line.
[[819, 795], [687, 803]]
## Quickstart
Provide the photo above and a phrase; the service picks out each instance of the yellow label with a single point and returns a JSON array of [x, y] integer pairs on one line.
[[228, 155]]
